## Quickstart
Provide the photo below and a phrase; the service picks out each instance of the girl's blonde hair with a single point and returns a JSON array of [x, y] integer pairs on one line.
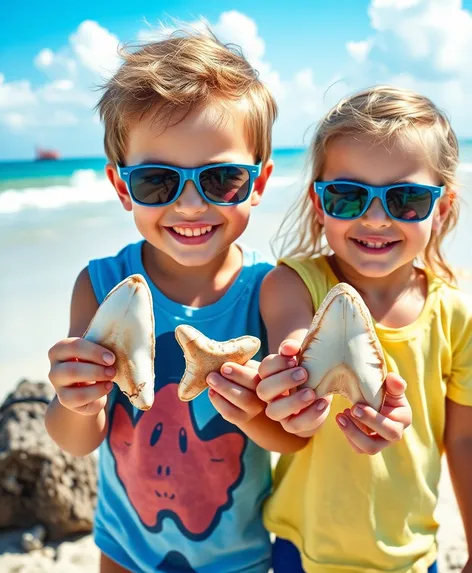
[[384, 114], [167, 79]]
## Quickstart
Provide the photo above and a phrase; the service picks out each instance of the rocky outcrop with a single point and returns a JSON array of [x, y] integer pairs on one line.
[[39, 483]]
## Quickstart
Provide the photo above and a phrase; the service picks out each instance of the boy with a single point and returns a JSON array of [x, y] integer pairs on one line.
[[180, 486]]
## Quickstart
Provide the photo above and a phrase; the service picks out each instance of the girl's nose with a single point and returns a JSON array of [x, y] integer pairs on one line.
[[376, 216], [190, 201]]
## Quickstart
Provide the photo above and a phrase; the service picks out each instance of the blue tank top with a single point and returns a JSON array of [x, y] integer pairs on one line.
[[180, 489]]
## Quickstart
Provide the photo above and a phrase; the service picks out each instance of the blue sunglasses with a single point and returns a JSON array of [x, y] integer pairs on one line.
[[405, 202], [221, 184]]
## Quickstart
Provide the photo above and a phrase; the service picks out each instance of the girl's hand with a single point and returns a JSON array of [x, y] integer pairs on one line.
[[298, 411], [233, 392], [81, 373], [369, 431]]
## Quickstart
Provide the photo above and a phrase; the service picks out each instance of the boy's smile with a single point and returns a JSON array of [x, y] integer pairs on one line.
[[192, 232]]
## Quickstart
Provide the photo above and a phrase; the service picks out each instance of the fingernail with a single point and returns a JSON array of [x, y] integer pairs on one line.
[[321, 405], [109, 385], [110, 371], [227, 370], [357, 412], [108, 358], [298, 375], [308, 395], [342, 421], [212, 380], [292, 362]]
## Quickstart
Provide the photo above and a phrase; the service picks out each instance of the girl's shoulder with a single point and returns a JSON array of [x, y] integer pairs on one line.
[[454, 304]]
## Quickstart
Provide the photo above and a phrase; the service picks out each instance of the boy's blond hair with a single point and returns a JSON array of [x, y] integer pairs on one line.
[[167, 79], [388, 116]]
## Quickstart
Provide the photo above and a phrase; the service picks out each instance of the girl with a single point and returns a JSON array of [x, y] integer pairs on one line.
[[378, 206]]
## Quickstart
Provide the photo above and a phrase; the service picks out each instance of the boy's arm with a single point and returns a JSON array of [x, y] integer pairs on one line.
[[458, 444], [76, 433], [287, 312]]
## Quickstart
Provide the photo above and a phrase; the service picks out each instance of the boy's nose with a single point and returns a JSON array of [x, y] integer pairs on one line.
[[375, 216], [190, 201]]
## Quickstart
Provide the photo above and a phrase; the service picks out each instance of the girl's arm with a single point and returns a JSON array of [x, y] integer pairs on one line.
[[458, 444]]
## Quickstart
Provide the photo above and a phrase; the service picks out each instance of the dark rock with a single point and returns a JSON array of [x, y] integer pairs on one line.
[[39, 483]]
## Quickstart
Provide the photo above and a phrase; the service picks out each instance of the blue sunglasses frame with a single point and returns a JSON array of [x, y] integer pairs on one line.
[[379, 192], [189, 174]]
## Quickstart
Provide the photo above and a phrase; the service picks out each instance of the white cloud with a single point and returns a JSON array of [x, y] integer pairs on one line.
[[95, 47], [359, 50], [421, 44], [15, 94]]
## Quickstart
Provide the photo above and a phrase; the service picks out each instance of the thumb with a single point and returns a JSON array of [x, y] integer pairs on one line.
[[395, 389], [289, 347]]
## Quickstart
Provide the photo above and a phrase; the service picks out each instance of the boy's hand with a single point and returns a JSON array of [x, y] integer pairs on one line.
[[81, 374], [298, 412], [233, 392], [369, 431]]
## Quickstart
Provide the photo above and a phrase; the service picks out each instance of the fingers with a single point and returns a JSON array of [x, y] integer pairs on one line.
[[67, 373], [291, 405], [82, 349], [246, 376], [395, 385], [361, 442], [76, 365], [389, 428], [308, 420], [270, 388], [275, 363], [88, 400], [236, 403], [289, 347]]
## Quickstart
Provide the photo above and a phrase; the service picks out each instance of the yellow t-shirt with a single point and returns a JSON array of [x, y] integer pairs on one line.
[[353, 513]]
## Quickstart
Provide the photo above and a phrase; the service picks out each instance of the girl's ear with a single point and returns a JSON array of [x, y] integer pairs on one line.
[[119, 185], [315, 199], [442, 209]]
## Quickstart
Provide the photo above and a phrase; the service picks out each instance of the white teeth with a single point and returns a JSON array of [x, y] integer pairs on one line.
[[373, 245], [192, 232]]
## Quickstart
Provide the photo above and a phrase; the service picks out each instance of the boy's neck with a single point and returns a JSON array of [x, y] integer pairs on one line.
[[193, 286]]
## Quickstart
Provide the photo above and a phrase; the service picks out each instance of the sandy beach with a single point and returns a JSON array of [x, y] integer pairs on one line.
[[42, 254]]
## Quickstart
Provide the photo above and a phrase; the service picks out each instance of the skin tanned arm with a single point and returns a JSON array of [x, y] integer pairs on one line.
[[72, 431]]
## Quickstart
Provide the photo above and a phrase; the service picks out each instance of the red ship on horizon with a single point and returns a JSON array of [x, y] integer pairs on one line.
[[48, 154]]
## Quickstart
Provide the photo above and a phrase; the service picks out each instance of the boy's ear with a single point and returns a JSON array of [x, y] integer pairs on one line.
[[261, 182], [119, 185]]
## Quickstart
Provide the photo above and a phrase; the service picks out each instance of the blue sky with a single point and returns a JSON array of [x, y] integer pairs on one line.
[[310, 52]]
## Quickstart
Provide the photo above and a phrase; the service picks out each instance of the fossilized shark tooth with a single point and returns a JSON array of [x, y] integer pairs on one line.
[[203, 355], [341, 351], [124, 323]]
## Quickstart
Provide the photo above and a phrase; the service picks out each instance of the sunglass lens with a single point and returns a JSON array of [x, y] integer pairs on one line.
[[409, 203], [225, 184], [154, 185], [344, 200]]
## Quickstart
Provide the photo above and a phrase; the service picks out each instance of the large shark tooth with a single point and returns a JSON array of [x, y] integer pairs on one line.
[[341, 351], [124, 323], [203, 355]]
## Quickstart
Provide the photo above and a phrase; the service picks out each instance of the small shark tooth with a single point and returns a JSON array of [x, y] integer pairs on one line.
[[203, 355], [124, 323], [341, 351]]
